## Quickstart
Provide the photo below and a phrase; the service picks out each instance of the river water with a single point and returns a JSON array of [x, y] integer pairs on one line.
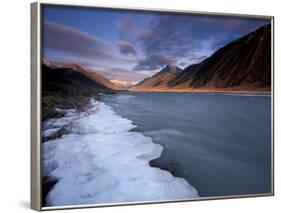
[[220, 143]]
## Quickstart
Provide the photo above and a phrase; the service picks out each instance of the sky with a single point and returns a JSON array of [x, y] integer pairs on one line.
[[132, 45]]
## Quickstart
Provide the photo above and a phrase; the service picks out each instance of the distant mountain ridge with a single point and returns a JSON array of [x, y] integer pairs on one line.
[[93, 75], [123, 84], [244, 63], [73, 75], [162, 78]]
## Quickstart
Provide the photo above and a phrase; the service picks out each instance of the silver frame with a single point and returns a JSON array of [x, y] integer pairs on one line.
[[36, 173]]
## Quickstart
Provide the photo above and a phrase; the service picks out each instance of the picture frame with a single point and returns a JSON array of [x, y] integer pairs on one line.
[[37, 114]]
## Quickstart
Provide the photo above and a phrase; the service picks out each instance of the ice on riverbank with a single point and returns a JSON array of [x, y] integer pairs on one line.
[[101, 161]]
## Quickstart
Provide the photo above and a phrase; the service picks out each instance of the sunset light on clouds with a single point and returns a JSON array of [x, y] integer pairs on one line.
[[130, 46]]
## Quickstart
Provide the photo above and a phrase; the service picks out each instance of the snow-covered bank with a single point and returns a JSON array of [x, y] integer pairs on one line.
[[101, 161]]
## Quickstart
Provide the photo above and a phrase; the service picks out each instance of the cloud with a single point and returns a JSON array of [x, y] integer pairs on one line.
[[182, 64], [84, 62], [73, 42], [218, 42], [129, 31], [155, 61], [123, 74], [126, 48], [174, 36], [195, 57]]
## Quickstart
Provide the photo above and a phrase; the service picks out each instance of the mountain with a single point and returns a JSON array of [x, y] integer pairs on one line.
[[69, 87], [243, 64], [72, 75], [92, 75], [123, 84], [160, 79]]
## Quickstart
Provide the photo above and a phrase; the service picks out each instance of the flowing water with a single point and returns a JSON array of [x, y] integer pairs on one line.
[[132, 147], [220, 143]]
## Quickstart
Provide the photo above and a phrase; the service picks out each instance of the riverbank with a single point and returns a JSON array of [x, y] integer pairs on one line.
[[233, 90]]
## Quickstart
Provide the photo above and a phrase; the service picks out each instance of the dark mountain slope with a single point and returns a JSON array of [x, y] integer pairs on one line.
[[65, 87], [244, 64], [92, 75], [66, 76], [162, 78]]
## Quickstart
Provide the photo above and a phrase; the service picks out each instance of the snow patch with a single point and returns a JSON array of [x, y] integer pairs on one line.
[[101, 161]]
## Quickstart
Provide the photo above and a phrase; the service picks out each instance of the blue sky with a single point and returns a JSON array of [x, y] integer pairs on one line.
[[130, 45]]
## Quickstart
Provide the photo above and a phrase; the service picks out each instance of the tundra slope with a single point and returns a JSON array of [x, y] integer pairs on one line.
[[242, 65]]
